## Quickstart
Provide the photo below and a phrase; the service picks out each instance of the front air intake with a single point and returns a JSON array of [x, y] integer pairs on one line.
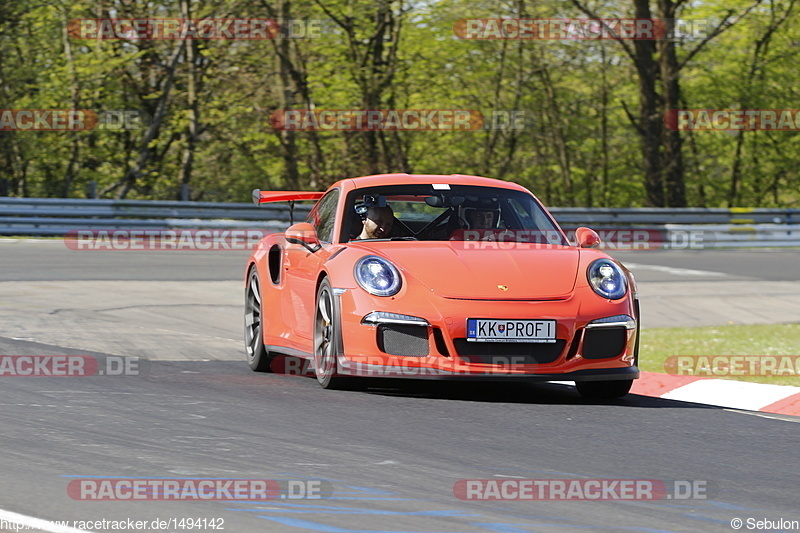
[[604, 343], [400, 339]]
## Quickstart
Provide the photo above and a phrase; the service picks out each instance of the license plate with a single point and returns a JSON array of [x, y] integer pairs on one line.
[[493, 330]]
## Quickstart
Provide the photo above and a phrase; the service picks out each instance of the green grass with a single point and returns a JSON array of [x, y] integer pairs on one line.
[[658, 344]]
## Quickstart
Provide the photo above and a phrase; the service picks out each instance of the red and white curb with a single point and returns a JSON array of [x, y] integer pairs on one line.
[[777, 399]]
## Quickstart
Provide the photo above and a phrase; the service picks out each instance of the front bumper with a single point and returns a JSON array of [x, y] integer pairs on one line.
[[350, 368], [433, 346]]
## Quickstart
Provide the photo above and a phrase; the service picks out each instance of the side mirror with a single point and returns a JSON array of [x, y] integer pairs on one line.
[[587, 238], [303, 234]]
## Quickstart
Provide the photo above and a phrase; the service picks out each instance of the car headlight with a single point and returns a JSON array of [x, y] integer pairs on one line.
[[607, 279], [377, 276]]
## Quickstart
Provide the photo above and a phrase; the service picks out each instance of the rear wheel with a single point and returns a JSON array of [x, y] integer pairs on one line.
[[604, 390], [257, 355], [327, 338]]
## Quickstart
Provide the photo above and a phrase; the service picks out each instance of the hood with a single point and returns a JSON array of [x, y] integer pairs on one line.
[[452, 270]]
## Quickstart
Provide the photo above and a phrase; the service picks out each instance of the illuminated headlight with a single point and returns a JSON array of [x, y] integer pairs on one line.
[[377, 276], [607, 279]]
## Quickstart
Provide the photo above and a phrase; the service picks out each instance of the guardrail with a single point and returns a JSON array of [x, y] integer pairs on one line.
[[678, 228], [56, 216], [732, 235], [687, 228], [684, 215]]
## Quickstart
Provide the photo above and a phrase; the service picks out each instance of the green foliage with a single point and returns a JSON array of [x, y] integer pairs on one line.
[[566, 89]]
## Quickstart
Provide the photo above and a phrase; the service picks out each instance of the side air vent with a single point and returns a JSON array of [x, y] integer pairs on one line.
[[274, 263]]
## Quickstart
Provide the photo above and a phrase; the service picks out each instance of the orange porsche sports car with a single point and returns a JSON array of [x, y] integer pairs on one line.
[[426, 276]]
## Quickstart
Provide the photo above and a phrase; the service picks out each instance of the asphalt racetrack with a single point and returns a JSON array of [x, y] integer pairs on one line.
[[395, 457]]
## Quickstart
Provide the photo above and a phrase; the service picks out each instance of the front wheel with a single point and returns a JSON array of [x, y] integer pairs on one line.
[[327, 338], [258, 357], [604, 390]]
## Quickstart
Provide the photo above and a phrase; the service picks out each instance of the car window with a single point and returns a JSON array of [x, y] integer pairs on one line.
[[458, 212], [323, 216]]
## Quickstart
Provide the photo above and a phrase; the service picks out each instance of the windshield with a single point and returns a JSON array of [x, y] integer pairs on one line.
[[448, 212]]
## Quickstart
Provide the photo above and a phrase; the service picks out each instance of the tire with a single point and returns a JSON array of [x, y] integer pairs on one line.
[[327, 338], [258, 357], [604, 390]]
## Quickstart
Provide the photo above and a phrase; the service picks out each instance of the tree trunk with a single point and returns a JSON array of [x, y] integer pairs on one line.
[[192, 129], [75, 101], [559, 136], [650, 123], [286, 89], [604, 128], [672, 159]]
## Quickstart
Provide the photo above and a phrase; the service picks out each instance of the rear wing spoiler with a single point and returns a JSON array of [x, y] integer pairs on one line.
[[264, 197]]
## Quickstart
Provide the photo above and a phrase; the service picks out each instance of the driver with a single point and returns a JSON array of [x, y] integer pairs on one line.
[[378, 223], [480, 219]]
